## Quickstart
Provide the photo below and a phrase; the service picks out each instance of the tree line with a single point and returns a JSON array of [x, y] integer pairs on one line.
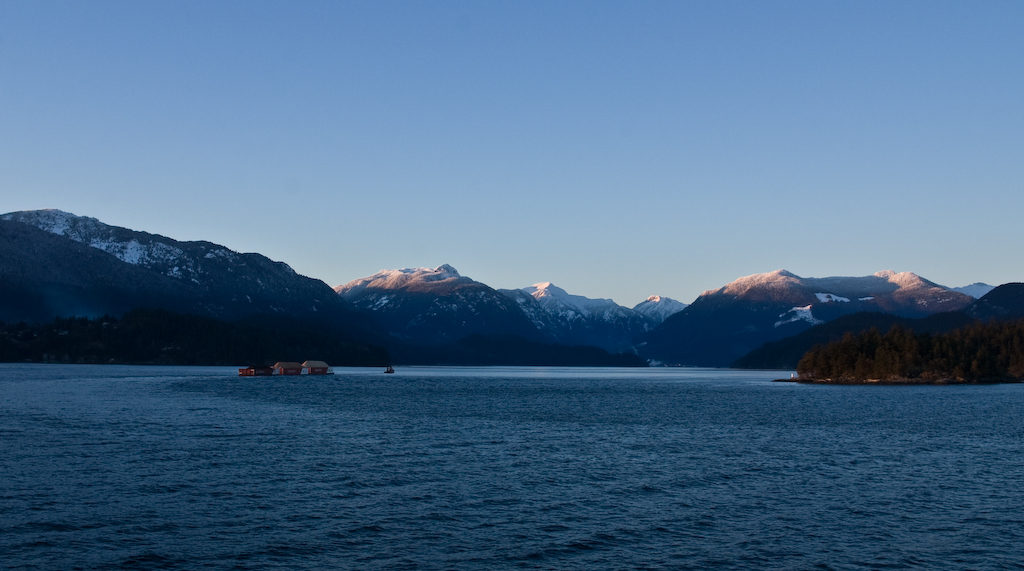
[[981, 352], [161, 337], [156, 336]]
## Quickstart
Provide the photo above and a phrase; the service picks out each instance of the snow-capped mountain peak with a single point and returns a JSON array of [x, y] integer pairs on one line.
[[404, 278], [976, 290], [549, 294], [446, 269], [658, 308], [545, 289], [771, 280], [578, 320]]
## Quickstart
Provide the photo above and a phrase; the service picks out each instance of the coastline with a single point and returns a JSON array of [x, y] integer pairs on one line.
[[899, 381]]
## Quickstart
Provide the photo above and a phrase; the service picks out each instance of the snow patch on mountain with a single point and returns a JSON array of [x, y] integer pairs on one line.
[[827, 297], [139, 254], [798, 314], [96, 234]]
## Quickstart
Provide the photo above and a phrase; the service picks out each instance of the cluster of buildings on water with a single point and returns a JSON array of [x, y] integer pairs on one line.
[[288, 368]]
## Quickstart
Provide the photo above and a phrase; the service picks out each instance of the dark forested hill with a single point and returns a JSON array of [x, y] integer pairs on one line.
[[1003, 302], [156, 336], [981, 352], [786, 353]]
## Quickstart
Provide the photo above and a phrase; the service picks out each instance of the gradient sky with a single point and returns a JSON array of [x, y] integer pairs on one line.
[[617, 150]]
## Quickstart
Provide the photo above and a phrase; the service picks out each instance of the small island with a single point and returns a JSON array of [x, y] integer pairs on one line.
[[982, 353]]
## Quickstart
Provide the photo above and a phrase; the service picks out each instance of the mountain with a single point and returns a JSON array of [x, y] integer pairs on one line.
[[59, 264], [436, 306], [724, 324], [975, 290], [1002, 303], [658, 309], [578, 320]]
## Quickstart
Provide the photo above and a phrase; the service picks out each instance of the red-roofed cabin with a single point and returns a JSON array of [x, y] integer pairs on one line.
[[255, 371], [317, 368], [287, 368]]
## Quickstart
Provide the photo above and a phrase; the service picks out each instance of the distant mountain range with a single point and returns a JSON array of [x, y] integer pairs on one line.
[[59, 264], [725, 324], [424, 305]]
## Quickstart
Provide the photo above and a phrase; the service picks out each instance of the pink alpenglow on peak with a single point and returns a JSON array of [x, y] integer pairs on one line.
[[658, 308], [405, 278]]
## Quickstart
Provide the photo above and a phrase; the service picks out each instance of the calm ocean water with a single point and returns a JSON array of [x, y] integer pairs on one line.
[[520, 468]]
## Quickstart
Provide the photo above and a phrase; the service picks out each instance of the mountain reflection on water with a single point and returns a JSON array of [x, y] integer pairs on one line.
[[503, 468]]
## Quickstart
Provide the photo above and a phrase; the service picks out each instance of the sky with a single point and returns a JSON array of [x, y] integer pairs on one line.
[[615, 149]]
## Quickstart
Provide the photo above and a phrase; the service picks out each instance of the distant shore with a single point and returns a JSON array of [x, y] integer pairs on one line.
[[897, 381]]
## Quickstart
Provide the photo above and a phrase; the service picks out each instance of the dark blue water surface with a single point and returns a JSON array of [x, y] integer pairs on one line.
[[495, 468]]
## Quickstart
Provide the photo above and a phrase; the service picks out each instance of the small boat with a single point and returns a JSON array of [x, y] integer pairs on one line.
[[390, 369]]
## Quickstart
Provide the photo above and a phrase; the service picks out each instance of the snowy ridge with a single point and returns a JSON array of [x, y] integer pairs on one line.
[[556, 299], [779, 279], [903, 279], [840, 289], [137, 269], [405, 278], [151, 251], [58, 222], [96, 234]]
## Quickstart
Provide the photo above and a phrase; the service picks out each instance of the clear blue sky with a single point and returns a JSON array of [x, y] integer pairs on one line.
[[616, 149]]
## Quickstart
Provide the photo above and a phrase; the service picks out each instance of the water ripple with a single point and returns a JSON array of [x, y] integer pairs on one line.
[[178, 468]]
